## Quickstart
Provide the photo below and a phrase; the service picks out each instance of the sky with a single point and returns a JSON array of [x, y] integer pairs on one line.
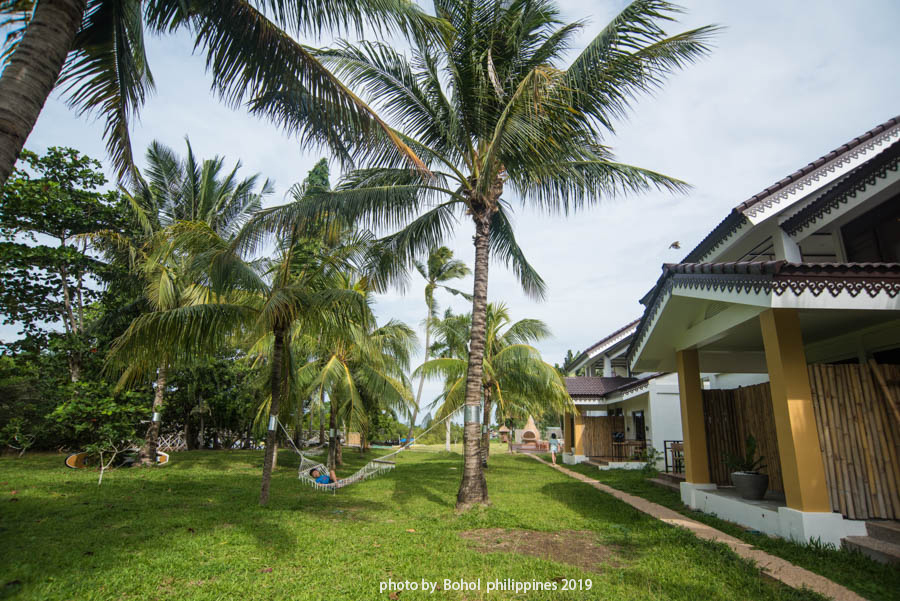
[[786, 83]]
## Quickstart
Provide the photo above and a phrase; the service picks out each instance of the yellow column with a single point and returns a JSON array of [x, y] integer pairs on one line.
[[696, 462], [579, 430], [802, 467], [567, 433]]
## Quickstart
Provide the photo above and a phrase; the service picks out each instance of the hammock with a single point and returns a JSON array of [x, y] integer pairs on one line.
[[374, 468]]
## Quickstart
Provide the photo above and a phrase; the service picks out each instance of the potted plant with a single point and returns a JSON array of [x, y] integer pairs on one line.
[[745, 475]]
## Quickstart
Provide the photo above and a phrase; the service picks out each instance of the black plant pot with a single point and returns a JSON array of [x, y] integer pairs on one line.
[[749, 485]]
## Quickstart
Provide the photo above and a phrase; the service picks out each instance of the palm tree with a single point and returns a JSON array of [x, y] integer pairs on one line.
[[515, 377], [440, 267], [358, 365], [170, 191], [492, 109], [94, 51]]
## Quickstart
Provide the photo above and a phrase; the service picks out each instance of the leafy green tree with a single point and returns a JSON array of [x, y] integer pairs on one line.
[[492, 109], [93, 50], [384, 425], [515, 378], [94, 414], [214, 400], [440, 267], [568, 362], [50, 277]]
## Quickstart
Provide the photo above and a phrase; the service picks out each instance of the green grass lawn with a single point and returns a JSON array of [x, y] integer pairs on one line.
[[193, 530], [854, 570]]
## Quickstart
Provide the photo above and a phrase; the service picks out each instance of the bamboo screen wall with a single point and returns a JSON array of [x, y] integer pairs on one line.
[[731, 415], [597, 434], [859, 436]]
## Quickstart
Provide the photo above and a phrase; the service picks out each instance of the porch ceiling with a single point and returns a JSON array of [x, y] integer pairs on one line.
[[715, 308], [729, 338]]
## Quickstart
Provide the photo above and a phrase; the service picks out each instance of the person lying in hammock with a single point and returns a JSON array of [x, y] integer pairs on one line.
[[320, 478]]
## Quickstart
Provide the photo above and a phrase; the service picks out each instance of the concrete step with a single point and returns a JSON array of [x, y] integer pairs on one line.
[[596, 462], [885, 530], [876, 549], [666, 483]]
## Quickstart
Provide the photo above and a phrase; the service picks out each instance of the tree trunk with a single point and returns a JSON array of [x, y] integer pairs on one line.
[[31, 73], [485, 429], [412, 422], [332, 438], [73, 356], [276, 386], [322, 418], [447, 436], [473, 488], [339, 448], [147, 454], [201, 441]]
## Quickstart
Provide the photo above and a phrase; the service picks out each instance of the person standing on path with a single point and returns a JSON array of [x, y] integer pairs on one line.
[[554, 447]]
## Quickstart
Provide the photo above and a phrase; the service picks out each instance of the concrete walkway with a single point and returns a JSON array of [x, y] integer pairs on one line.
[[772, 566]]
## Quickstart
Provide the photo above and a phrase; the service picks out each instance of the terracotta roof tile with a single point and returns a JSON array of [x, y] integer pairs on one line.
[[594, 387]]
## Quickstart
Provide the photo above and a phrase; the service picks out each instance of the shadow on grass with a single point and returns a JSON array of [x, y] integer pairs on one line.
[[434, 478], [76, 525]]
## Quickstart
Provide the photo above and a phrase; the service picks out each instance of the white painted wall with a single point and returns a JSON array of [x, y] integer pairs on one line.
[[665, 408], [726, 381]]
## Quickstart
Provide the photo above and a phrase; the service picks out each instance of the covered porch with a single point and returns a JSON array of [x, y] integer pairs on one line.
[[826, 420], [598, 436]]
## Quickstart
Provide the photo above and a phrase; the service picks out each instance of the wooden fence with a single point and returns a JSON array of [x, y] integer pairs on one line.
[[597, 435], [858, 435]]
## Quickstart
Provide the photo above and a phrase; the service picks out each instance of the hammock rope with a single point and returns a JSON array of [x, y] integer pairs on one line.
[[374, 468]]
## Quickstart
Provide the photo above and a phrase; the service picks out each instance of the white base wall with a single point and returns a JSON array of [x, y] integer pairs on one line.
[[623, 465], [571, 459], [768, 517]]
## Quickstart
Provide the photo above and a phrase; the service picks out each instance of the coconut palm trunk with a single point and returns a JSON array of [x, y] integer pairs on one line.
[[32, 72], [332, 438], [447, 436], [271, 435], [147, 454], [473, 488], [412, 422], [485, 428]]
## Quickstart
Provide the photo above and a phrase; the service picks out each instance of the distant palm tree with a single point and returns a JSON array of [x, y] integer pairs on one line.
[[492, 109], [515, 377], [358, 364], [94, 50], [440, 267], [172, 189]]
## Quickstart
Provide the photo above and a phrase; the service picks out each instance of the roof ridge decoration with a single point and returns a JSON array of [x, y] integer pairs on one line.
[[846, 188], [830, 162], [613, 338], [820, 168], [768, 277]]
